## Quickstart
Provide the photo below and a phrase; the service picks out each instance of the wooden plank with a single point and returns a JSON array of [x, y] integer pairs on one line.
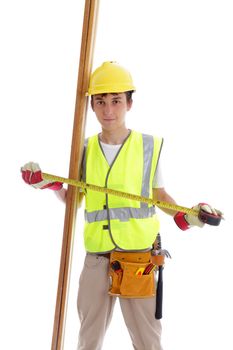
[[81, 104]]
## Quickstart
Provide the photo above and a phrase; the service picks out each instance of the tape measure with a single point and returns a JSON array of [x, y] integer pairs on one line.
[[121, 194], [205, 217]]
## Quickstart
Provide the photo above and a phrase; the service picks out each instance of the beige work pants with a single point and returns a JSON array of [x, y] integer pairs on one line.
[[95, 308]]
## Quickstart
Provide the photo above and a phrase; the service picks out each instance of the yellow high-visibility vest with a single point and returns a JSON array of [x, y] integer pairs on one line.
[[117, 223]]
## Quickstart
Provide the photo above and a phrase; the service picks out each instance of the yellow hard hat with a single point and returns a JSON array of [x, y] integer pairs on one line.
[[110, 77]]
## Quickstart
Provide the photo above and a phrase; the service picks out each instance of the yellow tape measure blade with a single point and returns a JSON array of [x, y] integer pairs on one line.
[[121, 194]]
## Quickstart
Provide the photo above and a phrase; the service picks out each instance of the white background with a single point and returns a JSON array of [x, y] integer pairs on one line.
[[180, 55]]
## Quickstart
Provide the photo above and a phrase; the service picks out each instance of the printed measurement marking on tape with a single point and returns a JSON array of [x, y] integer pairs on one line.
[[121, 194]]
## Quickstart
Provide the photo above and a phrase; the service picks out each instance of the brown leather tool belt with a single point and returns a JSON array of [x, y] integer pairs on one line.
[[132, 274]]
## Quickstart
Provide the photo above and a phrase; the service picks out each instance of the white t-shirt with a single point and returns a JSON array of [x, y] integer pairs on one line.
[[110, 152]]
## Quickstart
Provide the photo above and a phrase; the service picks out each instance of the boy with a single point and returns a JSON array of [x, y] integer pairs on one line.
[[125, 160]]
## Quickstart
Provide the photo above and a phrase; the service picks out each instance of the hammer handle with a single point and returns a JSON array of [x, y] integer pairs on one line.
[[159, 295]]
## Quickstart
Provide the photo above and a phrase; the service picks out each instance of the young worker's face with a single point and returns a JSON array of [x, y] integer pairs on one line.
[[110, 110]]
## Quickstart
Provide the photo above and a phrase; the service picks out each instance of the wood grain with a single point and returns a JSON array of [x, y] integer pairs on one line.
[[85, 66]]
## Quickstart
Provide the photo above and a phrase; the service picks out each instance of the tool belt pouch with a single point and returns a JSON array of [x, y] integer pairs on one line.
[[158, 260], [127, 278]]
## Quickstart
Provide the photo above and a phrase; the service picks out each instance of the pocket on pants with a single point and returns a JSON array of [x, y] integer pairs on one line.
[[93, 261]]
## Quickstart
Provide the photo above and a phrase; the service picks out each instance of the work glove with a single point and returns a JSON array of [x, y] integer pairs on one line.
[[185, 221], [31, 174]]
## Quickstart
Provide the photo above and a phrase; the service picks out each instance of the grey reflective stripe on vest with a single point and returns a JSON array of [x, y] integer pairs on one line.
[[84, 161], [148, 149], [122, 214]]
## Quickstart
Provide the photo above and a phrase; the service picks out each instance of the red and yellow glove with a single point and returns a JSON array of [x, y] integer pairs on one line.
[[185, 221], [31, 174]]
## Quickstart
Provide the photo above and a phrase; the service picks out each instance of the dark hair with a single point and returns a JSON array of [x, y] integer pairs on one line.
[[128, 95]]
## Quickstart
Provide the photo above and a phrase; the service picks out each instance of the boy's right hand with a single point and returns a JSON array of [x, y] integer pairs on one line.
[[31, 174]]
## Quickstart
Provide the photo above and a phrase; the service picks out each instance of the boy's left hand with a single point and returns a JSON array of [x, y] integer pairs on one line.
[[195, 220], [185, 221]]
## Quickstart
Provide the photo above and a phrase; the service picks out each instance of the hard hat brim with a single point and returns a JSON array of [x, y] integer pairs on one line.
[[110, 89]]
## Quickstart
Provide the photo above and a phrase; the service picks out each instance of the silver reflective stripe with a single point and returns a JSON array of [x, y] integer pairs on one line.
[[148, 149], [84, 161], [122, 214]]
